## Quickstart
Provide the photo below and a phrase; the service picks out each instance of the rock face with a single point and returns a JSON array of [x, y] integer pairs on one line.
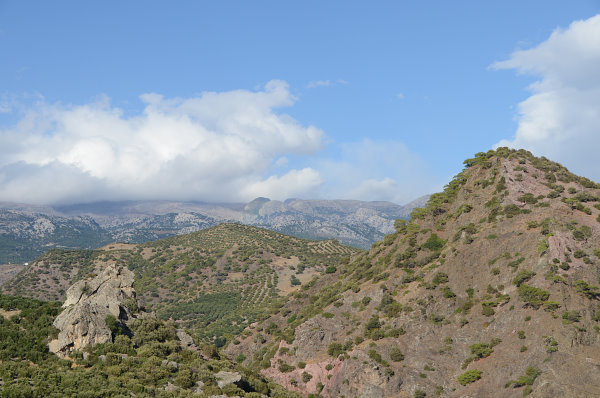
[[88, 303]]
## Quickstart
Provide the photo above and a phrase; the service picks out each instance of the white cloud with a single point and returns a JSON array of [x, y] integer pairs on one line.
[[295, 183], [325, 83], [400, 96], [319, 83], [561, 118], [228, 146], [378, 170], [215, 146]]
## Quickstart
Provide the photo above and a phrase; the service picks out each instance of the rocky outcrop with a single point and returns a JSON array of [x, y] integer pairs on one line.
[[108, 292]]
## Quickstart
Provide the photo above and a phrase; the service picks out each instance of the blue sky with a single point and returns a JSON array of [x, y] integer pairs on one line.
[[229, 100]]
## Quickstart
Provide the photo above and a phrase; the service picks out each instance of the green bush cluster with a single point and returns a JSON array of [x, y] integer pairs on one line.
[[470, 376], [533, 296]]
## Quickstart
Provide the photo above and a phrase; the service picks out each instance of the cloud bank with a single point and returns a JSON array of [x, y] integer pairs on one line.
[[561, 118], [217, 147], [214, 147], [378, 170]]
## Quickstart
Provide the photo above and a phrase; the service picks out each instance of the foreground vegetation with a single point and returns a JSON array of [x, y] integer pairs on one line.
[[148, 362]]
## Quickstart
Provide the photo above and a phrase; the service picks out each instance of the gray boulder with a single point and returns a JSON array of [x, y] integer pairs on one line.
[[88, 303]]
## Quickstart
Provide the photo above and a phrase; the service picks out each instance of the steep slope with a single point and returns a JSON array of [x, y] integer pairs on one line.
[[214, 282], [490, 290]]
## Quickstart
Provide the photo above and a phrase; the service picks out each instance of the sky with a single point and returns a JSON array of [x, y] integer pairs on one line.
[[230, 100]]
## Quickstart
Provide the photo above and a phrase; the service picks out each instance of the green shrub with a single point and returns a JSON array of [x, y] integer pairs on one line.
[[571, 316], [586, 289], [487, 308], [481, 350], [470, 376], [533, 296], [285, 368], [306, 377], [523, 276], [542, 246], [511, 210], [527, 198], [551, 305], [374, 355], [335, 349], [447, 292], [373, 323], [470, 291], [434, 243], [439, 278], [531, 374], [396, 355]]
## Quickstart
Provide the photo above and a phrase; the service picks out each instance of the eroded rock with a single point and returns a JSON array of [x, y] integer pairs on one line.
[[225, 378], [88, 303]]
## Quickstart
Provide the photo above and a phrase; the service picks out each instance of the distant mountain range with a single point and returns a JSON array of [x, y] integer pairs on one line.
[[26, 231]]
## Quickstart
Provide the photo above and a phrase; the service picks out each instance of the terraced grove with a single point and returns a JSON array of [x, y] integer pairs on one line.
[[214, 282]]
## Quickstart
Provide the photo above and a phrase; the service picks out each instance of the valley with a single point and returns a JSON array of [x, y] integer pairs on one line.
[[490, 289]]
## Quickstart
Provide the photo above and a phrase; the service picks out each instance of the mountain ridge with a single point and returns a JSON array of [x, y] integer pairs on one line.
[[27, 230]]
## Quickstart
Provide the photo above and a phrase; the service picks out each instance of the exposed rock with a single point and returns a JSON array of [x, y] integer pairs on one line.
[[186, 340], [170, 364], [170, 387], [87, 306], [199, 387], [226, 378]]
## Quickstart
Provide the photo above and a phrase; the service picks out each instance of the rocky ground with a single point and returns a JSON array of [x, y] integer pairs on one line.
[[491, 290]]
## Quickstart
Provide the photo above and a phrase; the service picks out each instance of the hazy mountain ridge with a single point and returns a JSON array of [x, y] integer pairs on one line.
[[26, 231], [25, 235]]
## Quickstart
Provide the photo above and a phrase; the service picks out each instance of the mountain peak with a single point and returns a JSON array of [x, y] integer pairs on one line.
[[493, 281]]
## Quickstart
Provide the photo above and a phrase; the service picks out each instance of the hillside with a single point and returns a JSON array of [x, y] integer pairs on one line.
[[27, 231], [490, 290], [150, 360], [215, 282]]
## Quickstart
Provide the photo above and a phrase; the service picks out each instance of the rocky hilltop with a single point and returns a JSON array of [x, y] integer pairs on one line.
[[93, 308], [491, 290]]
